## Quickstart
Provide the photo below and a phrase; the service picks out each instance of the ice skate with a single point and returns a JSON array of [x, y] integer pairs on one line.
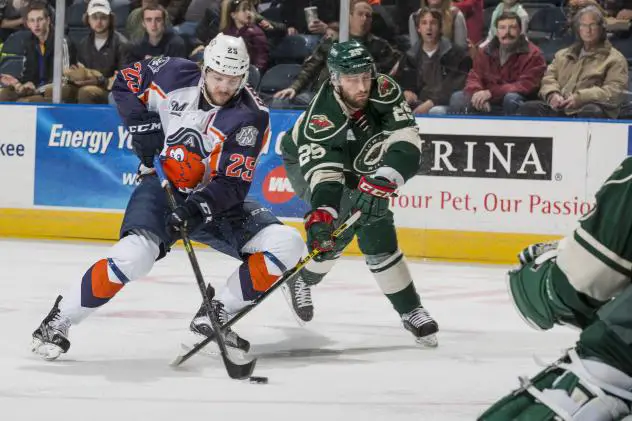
[[50, 339], [422, 326], [299, 296], [201, 325]]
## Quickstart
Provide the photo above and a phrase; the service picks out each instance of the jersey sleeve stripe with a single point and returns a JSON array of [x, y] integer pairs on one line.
[[334, 165], [325, 176]]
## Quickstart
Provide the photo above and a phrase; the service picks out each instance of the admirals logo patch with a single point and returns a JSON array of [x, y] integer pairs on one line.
[[247, 136], [320, 123], [384, 86], [156, 63]]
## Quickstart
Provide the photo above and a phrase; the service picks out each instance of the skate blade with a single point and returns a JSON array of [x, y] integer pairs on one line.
[[429, 341], [48, 352], [288, 300]]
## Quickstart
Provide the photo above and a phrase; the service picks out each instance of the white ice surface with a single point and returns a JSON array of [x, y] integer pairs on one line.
[[354, 361]]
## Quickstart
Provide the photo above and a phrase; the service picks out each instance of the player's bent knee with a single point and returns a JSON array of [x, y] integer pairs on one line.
[[133, 256], [390, 271], [291, 244]]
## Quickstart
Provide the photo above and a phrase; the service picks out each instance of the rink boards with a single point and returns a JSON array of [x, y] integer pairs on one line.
[[486, 186]]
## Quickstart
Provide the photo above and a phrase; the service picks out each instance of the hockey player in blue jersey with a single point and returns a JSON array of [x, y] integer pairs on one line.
[[208, 127]]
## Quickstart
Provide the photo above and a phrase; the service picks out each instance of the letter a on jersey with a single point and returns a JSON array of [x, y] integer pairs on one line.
[[320, 123]]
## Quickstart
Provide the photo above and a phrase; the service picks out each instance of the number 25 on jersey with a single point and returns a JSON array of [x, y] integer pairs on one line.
[[308, 152], [241, 167]]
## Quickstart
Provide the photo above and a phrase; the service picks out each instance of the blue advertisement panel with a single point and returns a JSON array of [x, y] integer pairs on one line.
[[271, 186], [84, 160]]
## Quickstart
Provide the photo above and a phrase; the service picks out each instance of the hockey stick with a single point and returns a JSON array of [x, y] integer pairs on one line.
[[234, 370], [295, 270]]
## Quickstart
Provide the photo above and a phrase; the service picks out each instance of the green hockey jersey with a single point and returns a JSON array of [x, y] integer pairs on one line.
[[333, 147]]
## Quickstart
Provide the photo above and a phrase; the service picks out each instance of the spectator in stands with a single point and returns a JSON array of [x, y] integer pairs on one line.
[[157, 40], [454, 27], [587, 79], [433, 68], [134, 25], [315, 66], [176, 9], [473, 12], [238, 20], [35, 83], [99, 55], [506, 72], [507, 6], [11, 18], [293, 15]]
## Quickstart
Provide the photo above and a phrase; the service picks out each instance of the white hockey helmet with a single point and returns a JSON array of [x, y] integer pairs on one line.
[[229, 56]]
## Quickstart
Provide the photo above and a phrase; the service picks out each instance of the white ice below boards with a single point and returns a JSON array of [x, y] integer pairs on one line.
[[354, 361]]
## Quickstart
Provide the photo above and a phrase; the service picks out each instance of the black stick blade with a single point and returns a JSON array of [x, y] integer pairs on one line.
[[239, 371]]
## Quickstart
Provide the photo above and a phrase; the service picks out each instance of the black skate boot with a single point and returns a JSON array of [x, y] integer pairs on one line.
[[299, 295], [422, 326], [202, 325], [50, 339]]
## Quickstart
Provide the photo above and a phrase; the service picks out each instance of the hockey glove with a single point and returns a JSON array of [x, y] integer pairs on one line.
[[191, 214], [536, 250], [372, 198], [319, 225], [147, 136]]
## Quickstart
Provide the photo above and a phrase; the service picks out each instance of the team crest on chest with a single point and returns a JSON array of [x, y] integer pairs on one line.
[[247, 136], [320, 123], [369, 159], [384, 86]]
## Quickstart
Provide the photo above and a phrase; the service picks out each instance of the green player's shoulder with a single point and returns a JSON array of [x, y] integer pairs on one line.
[[323, 120], [385, 90]]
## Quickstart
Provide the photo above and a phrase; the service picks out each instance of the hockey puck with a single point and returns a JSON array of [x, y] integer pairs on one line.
[[259, 380]]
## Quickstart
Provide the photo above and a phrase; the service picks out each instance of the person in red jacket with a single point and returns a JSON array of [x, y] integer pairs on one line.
[[473, 12], [506, 72], [238, 20]]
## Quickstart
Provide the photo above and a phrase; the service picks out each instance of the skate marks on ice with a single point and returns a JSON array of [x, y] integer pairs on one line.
[[353, 361]]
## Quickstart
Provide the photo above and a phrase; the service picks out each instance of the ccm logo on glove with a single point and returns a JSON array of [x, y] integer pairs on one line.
[[381, 190], [145, 128]]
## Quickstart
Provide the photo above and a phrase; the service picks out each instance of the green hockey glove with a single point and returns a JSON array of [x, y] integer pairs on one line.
[[373, 198], [319, 225]]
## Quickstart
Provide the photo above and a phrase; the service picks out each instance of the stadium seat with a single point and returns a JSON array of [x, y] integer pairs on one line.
[[278, 77], [74, 14], [14, 45], [487, 20], [272, 13], [294, 49], [624, 45], [121, 9], [552, 46], [12, 65], [187, 31], [254, 77], [546, 23]]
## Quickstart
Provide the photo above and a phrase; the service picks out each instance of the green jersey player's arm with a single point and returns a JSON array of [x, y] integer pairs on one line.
[[402, 146], [321, 157]]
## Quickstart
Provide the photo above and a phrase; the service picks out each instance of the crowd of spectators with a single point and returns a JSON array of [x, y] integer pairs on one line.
[[538, 58]]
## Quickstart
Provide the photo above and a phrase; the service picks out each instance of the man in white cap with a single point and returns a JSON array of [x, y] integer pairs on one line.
[[99, 55]]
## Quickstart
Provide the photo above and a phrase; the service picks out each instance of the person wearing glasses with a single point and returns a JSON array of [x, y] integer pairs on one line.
[[587, 79]]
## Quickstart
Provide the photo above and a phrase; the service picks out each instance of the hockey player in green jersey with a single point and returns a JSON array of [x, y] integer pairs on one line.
[[583, 280], [354, 146]]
